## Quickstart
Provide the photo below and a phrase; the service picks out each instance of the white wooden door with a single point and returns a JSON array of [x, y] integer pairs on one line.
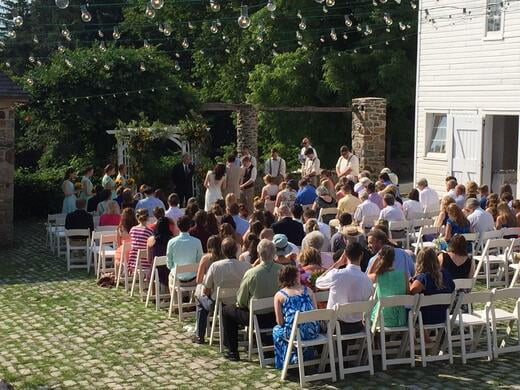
[[466, 161]]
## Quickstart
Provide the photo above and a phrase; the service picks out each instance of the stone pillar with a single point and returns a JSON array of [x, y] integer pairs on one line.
[[247, 128], [6, 176], [369, 132]]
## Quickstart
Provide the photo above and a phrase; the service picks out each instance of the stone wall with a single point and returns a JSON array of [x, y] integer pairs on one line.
[[247, 128], [369, 132], [6, 175]]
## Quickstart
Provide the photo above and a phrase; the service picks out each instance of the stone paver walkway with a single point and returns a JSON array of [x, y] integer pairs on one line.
[[58, 330]]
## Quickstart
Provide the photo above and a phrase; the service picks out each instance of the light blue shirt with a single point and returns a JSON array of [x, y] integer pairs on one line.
[[241, 223], [149, 203], [183, 249], [402, 262]]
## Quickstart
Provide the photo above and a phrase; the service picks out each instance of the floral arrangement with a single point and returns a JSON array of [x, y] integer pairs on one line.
[[77, 185], [440, 243], [309, 278], [130, 181]]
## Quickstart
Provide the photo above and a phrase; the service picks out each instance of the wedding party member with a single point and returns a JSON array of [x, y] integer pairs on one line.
[[348, 164], [247, 188], [269, 192], [214, 182], [122, 178], [311, 168], [150, 202], [69, 201], [305, 144], [182, 178], [275, 166], [107, 182], [86, 184], [234, 175], [246, 152], [174, 212]]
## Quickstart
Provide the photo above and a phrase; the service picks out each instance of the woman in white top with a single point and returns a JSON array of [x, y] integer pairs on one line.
[[215, 182], [412, 206], [269, 193], [107, 182]]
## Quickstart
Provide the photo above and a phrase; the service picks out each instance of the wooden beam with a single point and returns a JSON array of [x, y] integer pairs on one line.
[[236, 107]]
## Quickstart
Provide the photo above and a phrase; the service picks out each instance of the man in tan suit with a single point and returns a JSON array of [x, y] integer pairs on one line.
[[234, 175]]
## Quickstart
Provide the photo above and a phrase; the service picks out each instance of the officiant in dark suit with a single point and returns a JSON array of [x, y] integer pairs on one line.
[[182, 178]]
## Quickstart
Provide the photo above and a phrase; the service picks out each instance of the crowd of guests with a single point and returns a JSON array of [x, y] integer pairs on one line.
[[278, 247]]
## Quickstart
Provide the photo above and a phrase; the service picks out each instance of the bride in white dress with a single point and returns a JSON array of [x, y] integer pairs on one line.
[[215, 182]]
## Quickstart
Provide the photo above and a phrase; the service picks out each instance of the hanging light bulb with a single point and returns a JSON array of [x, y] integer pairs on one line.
[[177, 55], [69, 64], [218, 23], [398, 1], [348, 21], [322, 39], [65, 31], [403, 38], [11, 34], [388, 19], [413, 5], [319, 1], [100, 34], [299, 14], [142, 68], [211, 64], [227, 50], [157, 4], [214, 27], [106, 67], [191, 26], [85, 15], [387, 43], [177, 66], [355, 51], [359, 28], [18, 21], [242, 60], [116, 34], [225, 38], [167, 30], [259, 37], [273, 16], [150, 12], [271, 6], [35, 39], [61, 48], [146, 45], [32, 60], [388, 29], [333, 34], [345, 36], [368, 30], [185, 43], [325, 10], [62, 4], [102, 46], [214, 5], [302, 25], [299, 35], [402, 26], [383, 1], [330, 3], [30, 81], [375, 3], [7, 64], [244, 21], [252, 48], [370, 47]]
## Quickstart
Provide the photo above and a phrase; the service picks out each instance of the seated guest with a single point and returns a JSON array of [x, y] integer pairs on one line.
[[456, 260], [292, 298], [212, 223], [139, 235], [471, 190], [79, 218], [226, 273], [283, 250], [317, 240], [127, 199], [516, 210], [241, 224], [347, 285], [249, 250], [361, 186], [389, 281], [349, 202], [391, 212], [366, 209], [337, 242], [323, 201], [309, 260], [287, 194], [373, 195], [460, 195], [103, 204], [412, 206], [483, 191], [159, 194], [192, 208], [323, 227], [430, 279], [183, 249], [112, 215], [442, 218], [450, 188], [174, 212], [312, 226], [297, 213], [93, 202], [457, 222], [292, 229], [327, 182], [377, 239], [214, 254], [255, 228], [157, 247], [259, 282], [229, 230], [127, 222], [306, 194], [159, 213], [269, 219], [480, 221], [150, 202], [505, 218], [119, 195], [199, 230]]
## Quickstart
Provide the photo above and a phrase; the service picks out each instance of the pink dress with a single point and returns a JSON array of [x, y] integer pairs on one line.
[[139, 236]]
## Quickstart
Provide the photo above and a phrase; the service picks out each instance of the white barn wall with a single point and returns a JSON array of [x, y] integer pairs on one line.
[[459, 70]]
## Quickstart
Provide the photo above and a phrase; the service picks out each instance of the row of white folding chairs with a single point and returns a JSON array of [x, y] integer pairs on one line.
[[496, 260]]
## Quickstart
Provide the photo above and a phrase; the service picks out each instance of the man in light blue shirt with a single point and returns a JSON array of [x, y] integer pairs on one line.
[[241, 224], [150, 202], [391, 212], [377, 239], [183, 249]]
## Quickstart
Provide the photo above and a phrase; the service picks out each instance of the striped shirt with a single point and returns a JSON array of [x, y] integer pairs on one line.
[[139, 235]]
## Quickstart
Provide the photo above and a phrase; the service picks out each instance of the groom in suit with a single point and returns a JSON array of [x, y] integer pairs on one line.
[[182, 178]]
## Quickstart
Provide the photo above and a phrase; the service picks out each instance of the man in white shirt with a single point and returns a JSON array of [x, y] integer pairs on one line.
[[247, 153], [275, 166], [428, 197], [450, 188], [366, 209], [347, 285], [348, 164], [311, 168], [247, 188], [391, 212], [480, 220], [460, 195], [306, 144], [174, 212]]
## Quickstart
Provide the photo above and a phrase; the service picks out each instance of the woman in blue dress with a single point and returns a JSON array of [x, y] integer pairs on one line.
[[108, 182], [69, 202], [457, 222], [86, 184], [292, 298]]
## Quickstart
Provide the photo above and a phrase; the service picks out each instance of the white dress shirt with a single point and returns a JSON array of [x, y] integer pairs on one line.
[[302, 157], [392, 213], [351, 162], [411, 207], [481, 221], [346, 285], [312, 166], [275, 167], [460, 201], [451, 193], [174, 213], [368, 210], [429, 199], [253, 159]]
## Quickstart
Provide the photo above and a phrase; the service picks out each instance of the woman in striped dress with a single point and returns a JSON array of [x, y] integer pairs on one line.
[[139, 235]]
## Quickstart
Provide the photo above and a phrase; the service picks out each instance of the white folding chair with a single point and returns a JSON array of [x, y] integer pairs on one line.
[[512, 232], [158, 261], [425, 231], [76, 240], [96, 219], [106, 229], [416, 225], [442, 329], [326, 315], [221, 294], [495, 253], [367, 222], [408, 331], [107, 250], [416, 216], [399, 232], [122, 268], [327, 214], [473, 319], [94, 250], [139, 273], [432, 213], [484, 237], [256, 305], [464, 284], [364, 338], [178, 289], [514, 248], [59, 235], [509, 317], [50, 229], [472, 239]]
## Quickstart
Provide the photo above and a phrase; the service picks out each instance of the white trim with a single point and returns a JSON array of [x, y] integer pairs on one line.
[[417, 84], [494, 35]]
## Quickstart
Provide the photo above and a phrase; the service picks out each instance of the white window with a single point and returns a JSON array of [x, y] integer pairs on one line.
[[437, 126], [494, 17]]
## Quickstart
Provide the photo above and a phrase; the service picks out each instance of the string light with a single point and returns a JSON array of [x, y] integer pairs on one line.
[[167, 31], [35, 39], [116, 34], [61, 4], [302, 25], [214, 5], [85, 15], [244, 21], [348, 21], [185, 43], [271, 6], [330, 3], [150, 12], [18, 21], [157, 4]]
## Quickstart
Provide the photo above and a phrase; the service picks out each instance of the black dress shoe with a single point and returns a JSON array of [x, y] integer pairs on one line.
[[233, 356], [198, 340]]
